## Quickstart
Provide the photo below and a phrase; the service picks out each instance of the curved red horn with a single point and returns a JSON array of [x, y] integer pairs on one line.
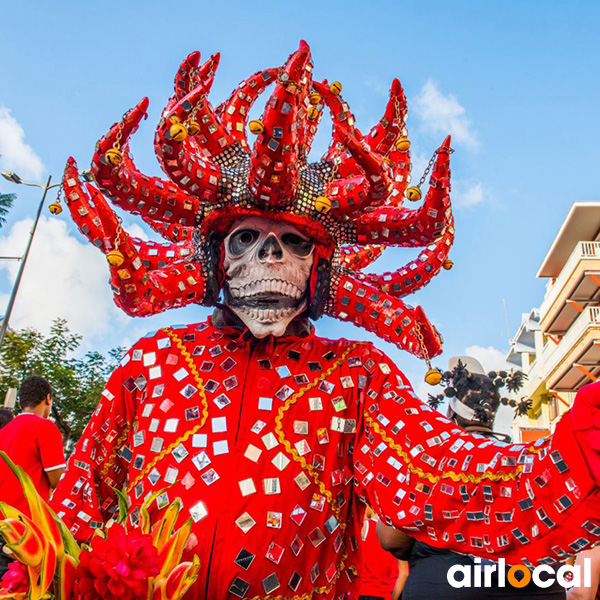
[[184, 74], [130, 189], [358, 258], [392, 226], [417, 273], [383, 136], [274, 161], [352, 196], [385, 316], [234, 111], [172, 232], [141, 286]]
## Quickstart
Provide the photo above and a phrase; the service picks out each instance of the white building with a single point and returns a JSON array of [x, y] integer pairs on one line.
[[558, 344]]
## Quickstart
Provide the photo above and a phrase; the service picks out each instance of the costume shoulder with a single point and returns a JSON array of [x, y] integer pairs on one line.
[[156, 338]]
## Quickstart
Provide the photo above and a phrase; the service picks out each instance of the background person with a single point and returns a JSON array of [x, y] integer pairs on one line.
[[380, 570], [34, 443], [592, 592], [474, 398], [6, 416]]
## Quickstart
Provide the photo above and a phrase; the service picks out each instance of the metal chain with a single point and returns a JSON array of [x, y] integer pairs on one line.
[[428, 169], [399, 117], [119, 231], [61, 190], [193, 74], [334, 170], [117, 143], [401, 124], [421, 340], [192, 86]]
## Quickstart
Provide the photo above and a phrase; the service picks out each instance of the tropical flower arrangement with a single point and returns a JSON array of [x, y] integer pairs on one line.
[[120, 562]]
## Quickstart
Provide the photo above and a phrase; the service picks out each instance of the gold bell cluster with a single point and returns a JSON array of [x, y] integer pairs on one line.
[[414, 193], [114, 156], [256, 126], [322, 204], [55, 208], [115, 258], [433, 376]]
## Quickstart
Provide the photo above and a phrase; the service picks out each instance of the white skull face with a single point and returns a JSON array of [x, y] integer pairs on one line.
[[267, 266]]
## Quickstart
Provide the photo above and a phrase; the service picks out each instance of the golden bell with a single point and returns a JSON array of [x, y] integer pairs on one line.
[[315, 98], [256, 126], [55, 208], [193, 128], [414, 193], [448, 264], [115, 258], [322, 204], [335, 88], [402, 144], [178, 132], [113, 157], [313, 113], [433, 377]]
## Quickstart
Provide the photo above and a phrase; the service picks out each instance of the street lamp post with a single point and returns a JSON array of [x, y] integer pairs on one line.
[[14, 178]]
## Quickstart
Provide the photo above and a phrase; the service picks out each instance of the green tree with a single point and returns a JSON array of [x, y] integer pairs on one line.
[[77, 383], [6, 202]]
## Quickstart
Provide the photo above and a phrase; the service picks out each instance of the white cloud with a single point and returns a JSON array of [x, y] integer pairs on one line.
[[17, 155], [491, 358], [378, 86], [63, 278], [419, 162], [136, 230], [465, 195], [443, 114]]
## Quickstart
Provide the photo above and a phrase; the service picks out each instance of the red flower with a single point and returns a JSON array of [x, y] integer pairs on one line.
[[16, 579], [116, 568]]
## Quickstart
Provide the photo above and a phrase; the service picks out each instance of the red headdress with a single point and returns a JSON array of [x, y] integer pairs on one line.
[[350, 203]]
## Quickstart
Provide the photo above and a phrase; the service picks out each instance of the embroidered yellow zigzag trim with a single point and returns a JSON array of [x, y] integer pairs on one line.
[[288, 446], [462, 477], [200, 385]]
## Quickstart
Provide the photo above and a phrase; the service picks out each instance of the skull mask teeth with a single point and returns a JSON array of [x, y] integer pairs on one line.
[[267, 267]]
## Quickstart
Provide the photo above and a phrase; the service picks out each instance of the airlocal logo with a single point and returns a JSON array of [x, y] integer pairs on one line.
[[499, 574]]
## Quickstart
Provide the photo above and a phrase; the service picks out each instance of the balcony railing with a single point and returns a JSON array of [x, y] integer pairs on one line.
[[553, 353], [582, 251]]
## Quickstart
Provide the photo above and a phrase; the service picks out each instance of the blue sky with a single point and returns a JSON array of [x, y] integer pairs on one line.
[[516, 82]]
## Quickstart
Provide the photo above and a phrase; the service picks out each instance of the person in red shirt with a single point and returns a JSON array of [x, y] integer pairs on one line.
[[33, 442], [380, 570]]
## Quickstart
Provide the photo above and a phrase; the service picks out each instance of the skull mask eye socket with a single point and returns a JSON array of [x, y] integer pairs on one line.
[[296, 244], [241, 241]]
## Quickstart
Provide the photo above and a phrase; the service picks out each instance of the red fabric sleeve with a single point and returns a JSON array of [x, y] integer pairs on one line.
[[85, 498], [50, 445], [474, 495]]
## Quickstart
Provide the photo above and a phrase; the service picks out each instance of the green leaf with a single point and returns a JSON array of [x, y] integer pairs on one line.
[[123, 505]]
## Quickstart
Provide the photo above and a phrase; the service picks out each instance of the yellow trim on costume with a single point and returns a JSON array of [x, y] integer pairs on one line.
[[313, 473], [463, 477], [113, 455], [200, 386], [288, 446]]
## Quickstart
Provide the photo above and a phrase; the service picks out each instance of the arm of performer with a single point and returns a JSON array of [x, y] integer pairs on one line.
[[394, 541], [423, 474], [85, 497], [582, 592]]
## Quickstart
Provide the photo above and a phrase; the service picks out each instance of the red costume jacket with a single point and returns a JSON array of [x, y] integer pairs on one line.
[[274, 445]]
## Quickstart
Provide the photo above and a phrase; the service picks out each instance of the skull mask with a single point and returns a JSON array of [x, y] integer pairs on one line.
[[267, 266]]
